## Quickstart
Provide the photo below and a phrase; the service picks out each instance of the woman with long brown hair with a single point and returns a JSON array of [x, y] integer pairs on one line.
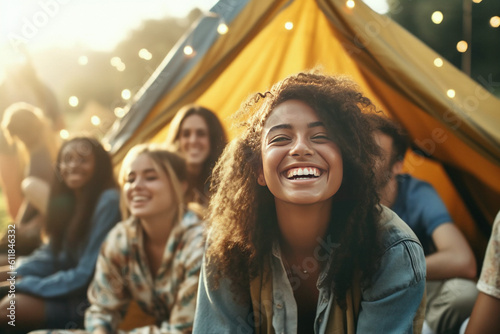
[[198, 135]]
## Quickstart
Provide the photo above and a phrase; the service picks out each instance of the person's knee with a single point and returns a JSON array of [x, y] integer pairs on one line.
[[36, 191], [451, 304], [464, 297]]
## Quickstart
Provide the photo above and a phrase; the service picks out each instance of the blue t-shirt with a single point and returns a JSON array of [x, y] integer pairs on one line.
[[419, 205]]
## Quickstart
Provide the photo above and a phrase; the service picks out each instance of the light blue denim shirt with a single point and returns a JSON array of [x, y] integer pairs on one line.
[[388, 305]]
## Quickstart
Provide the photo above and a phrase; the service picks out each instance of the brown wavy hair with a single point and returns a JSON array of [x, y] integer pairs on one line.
[[242, 215], [216, 135]]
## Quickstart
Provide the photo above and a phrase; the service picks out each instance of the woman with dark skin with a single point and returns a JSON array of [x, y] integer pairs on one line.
[[51, 284], [197, 134], [297, 240]]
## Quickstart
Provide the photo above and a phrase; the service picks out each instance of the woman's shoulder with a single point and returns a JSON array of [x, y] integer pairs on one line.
[[393, 230], [120, 237], [192, 231], [191, 220], [109, 195]]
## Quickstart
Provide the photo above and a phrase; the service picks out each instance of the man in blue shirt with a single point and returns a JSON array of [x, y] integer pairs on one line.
[[451, 265]]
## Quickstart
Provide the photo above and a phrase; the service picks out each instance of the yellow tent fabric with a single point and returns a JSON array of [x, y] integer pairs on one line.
[[268, 40]]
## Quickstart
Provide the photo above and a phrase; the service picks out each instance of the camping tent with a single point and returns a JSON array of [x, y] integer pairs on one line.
[[453, 120]]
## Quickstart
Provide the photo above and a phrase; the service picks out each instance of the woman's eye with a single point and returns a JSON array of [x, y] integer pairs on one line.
[[278, 139], [151, 178], [321, 137], [130, 180]]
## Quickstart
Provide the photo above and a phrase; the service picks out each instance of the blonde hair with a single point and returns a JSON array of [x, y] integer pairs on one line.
[[169, 162]]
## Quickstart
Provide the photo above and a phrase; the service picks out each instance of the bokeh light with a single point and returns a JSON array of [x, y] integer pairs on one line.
[[437, 17], [462, 46], [450, 93], [95, 120], [188, 50], [73, 101], [83, 60], [438, 62], [222, 29], [115, 61], [119, 112], [145, 54], [64, 134], [350, 4], [495, 21], [289, 25], [126, 94]]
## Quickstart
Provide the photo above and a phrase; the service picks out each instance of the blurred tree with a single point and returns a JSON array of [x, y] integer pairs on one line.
[[97, 79]]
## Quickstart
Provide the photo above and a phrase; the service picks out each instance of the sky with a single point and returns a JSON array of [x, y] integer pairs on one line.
[[96, 24]]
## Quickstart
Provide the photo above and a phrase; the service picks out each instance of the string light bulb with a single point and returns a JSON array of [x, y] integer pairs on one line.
[[495, 21], [222, 29], [438, 62], [350, 4], [462, 46], [450, 93], [64, 134], [289, 25], [73, 101], [188, 50], [437, 17], [95, 120]]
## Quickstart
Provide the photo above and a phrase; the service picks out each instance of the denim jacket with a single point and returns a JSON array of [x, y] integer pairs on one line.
[[388, 304]]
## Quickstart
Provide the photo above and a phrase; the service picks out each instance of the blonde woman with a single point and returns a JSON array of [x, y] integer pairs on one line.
[[154, 256]]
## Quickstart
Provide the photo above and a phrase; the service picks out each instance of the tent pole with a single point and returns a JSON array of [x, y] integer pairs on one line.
[[467, 34]]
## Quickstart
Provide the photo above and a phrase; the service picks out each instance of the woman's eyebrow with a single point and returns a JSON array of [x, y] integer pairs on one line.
[[315, 124], [279, 127]]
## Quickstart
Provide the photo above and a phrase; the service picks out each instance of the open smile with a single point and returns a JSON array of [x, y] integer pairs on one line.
[[303, 173]]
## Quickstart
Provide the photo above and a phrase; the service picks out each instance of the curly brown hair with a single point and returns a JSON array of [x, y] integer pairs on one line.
[[242, 215]]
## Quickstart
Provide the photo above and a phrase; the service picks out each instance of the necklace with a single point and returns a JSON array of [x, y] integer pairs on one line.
[[290, 271]]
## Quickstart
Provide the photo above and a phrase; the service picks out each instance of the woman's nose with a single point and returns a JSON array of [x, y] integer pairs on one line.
[[301, 147], [138, 182], [192, 138]]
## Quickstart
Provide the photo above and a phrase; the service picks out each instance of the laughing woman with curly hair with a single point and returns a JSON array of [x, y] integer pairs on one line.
[[297, 239]]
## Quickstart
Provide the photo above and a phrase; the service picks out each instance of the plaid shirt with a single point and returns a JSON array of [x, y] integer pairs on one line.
[[122, 274]]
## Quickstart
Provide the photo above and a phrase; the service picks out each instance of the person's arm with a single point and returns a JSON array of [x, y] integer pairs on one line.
[[10, 181], [108, 296], [66, 281], [217, 311], [453, 256], [390, 303], [485, 315], [40, 263]]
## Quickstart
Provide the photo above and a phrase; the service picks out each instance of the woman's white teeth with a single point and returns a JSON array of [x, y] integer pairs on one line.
[[307, 171], [139, 198]]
